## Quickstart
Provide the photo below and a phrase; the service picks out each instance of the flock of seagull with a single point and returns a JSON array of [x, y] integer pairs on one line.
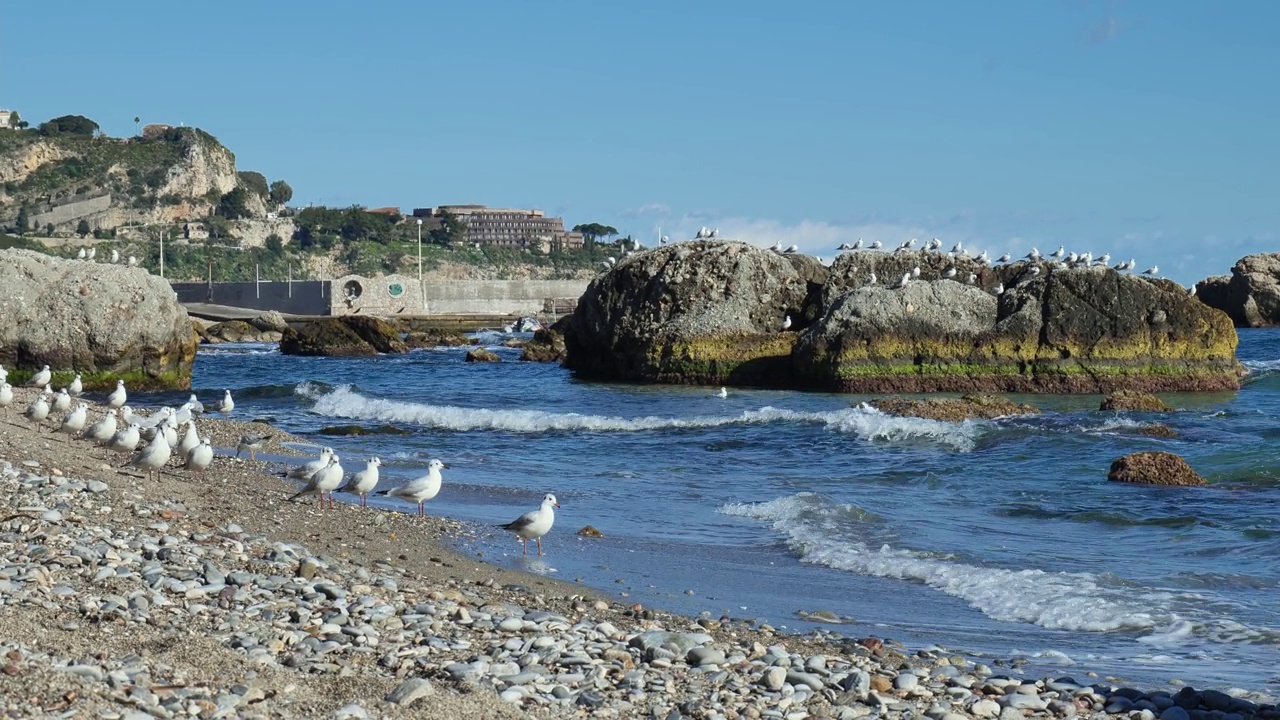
[[91, 253], [153, 440]]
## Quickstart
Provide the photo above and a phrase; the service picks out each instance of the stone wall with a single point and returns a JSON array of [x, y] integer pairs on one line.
[[398, 294], [69, 214]]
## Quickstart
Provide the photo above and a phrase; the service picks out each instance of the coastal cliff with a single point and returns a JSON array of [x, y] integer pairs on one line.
[[1250, 295], [713, 312]]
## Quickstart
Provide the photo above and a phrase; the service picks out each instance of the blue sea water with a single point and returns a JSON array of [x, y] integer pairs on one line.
[[1001, 537]]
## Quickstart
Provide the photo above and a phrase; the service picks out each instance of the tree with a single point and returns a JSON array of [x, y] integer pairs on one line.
[[82, 228], [234, 204], [255, 182], [137, 125], [15, 121], [280, 192], [22, 221], [451, 230], [69, 125], [274, 245], [594, 231]]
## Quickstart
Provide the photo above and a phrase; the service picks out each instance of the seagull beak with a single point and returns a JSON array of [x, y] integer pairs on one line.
[[445, 465], [557, 504]]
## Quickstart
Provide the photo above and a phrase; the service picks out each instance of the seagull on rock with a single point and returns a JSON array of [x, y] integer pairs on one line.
[[6, 395], [1153, 270], [422, 489], [534, 524], [786, 323]]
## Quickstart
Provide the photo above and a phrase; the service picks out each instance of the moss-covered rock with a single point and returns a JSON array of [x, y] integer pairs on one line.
[[968, 407], [482, 355], [435, 338], [1130, 400], [547, 345], [382, 335], [327, 337], [1154, 468]]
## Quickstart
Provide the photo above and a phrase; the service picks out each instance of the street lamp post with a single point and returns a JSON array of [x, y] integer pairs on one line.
[[421, 290]]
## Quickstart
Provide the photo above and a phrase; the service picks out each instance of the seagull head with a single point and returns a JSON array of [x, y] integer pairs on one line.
[[550, 499], [437, 464]]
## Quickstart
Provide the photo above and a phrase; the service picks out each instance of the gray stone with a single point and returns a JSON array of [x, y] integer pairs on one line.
[[705, 656], [1174, 712], [774, 678], [410, 690], [802, 678]]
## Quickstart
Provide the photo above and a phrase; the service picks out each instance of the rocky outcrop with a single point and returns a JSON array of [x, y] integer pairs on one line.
[[972, 406], [694, 312], [1250, 295], [346, 336], [1154, 468], [547, 344], [103, 321], [435, 338], [239, 331], [270, 321], [482, 355], [708, 312], [1128, 400]]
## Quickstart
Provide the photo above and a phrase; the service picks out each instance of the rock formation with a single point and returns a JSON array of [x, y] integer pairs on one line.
[[1250, 295], [547, 344], [710, 312], [103, 321], [1154, 468], [1133, 401], [346, 336], [972, 406]]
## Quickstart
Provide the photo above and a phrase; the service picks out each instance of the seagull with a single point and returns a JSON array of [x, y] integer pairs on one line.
[[998, 289], [1191, 290], [1153, 270], [1104, 260], [93, 252], [76, 387], [83, 254], [363, 482], [906, 278], [714, 232], [197, 407], [103, 430], [777, 247], [871, 280], [724, 392], [115, 256], [41, 378], [1033, 255], [38, 410], [182, 415], [1060, 252], [6, 395], [949, 272], [126, 439], [857, 244], [252, 443], [118, 396], [152, 457], [983, 258], [972, 278], [664, 240], [957, 249], [915, 272], [1035, 271], [200, 457], [786, 323], [4, 374], [1003, 258], [845, 246], [132, 262], [74, 422], [306, 470], [61, 401], [190, 439], [326, 480], [422, 489], [534, 524], [227, 404], [935, 243], [791, 250], [876, 245]]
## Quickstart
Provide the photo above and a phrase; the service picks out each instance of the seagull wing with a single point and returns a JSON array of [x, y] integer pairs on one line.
[[521, 522]]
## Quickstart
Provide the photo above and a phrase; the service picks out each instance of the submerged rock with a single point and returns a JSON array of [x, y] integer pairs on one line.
[[362, 430], [482, 355], [346, 336], [1154, 468], [1134, 401], [969, 407], [434, 338], [104, 321], [239, 331]]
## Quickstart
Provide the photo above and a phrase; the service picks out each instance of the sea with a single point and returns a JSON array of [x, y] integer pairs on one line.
[[1001, 539]]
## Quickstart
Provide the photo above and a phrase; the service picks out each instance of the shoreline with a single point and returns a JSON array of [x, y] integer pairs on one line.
[[309, 612]]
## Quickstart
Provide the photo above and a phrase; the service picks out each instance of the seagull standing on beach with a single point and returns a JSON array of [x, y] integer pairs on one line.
[[76, 387], [61, 401], [325, 480], [6, 395], [200, 457], [103, 430], [41, 378], [126, 439], [118, 397], [227, 404], [252, 443], [306, 470], [190, 439], [197, 407], [38, 410], [534, 524], [74, 422], [153, 457], [115, 256], [422, 489], [4, 374], [363, 482]]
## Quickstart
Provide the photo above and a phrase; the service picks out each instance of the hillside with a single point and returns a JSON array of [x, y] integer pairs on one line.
[[167, 175]]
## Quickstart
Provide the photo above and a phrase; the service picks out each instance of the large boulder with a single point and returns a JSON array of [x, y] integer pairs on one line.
[[1053, 329], [1250, 295], [1154, 468], [346, 336], [104, 321], [694, 312]]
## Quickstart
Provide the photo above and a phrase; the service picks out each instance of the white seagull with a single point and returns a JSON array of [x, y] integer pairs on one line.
[[126, 439], [326, 480], [103, 430], [305, 471], [1153, 270], [876, 245], [115, 256], [227, 404], [1191, 290], [1003, 258], [363, 482], [76, 387], [197, 407], [906, 278], [61, 401], [6, 395], [786, 323], [1060, 252], [949, 272], [119, 396], [152, 457], [38, 410], [41, 378], [534, 524], [75, 420], [724, 392], [422, 489], [200, 457], [190, 439]]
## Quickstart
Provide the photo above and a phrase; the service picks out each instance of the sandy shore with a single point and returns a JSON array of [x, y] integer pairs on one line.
[[211, 595]]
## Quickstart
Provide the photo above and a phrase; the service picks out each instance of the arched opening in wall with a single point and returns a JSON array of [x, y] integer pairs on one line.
[[352, 290]]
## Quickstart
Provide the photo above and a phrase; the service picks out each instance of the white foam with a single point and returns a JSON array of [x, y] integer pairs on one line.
[[1056, 600], [1261, 367], [863, 421]]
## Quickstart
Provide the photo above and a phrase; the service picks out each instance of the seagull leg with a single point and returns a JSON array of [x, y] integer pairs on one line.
[[524, 546], [539, 547], [364, 499]]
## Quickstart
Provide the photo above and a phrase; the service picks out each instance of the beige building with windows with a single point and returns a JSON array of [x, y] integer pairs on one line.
[[506, 227]]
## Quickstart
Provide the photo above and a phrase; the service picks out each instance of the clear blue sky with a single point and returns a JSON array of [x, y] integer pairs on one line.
[[1146, 128]]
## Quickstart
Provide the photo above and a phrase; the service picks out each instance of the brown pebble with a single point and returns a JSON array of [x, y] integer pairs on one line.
[[880, 683], [11, 669]]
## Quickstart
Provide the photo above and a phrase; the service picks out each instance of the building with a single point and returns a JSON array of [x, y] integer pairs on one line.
[[8, 118], [506, 227]]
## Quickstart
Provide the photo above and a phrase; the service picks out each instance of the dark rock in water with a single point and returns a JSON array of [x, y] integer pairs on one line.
[[1134, 401], [362, 430], [1154, 468], [1055, 330], [970, 406], [435, 338], [104, 321], [589, 531], [482, 355], [547, 344], [1250, 295], [239, 331], [1156, 430], [347, 336], [704, 311]]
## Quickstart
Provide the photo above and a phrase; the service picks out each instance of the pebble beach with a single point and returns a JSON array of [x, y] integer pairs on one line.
[[209, 595]]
